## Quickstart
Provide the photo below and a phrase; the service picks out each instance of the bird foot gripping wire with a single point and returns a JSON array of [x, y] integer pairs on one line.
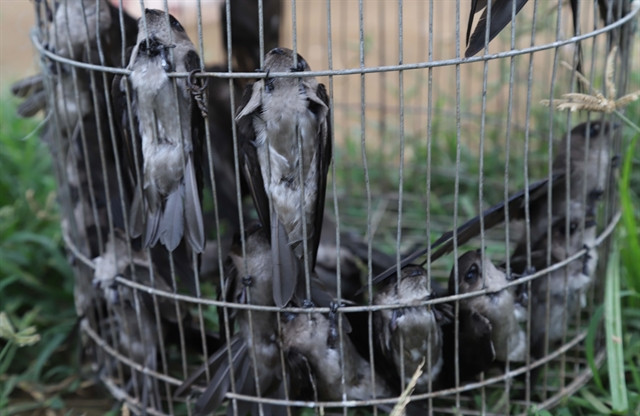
[[197, 90]]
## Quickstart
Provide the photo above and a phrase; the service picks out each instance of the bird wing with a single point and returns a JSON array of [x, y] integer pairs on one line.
[[490, 218], [194, 225], [324, 150], [500, 17]]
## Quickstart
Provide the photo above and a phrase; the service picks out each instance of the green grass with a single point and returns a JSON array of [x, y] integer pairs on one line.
[[35, 279]]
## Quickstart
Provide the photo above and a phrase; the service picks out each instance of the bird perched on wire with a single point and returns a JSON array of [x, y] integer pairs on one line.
[[255, 347], [67, 35], [135, 329], [285, 133], [557, 297], [499, 304], [322, 362], [584, 159], [76, 128], [167, 126], [411, 333], [245, 30], [473, 351], [587, 175]]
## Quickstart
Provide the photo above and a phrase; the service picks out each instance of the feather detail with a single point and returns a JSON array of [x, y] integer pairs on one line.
[[286, 266], [193, 209], [135, 216], [500, 17], [172, 223], [213, 396]]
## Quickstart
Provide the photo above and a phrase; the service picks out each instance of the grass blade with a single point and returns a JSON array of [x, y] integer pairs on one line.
[[613, 333]]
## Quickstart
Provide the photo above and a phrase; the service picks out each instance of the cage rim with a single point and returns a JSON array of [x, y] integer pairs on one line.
[[344, 308], [443, 393], [635, 8]]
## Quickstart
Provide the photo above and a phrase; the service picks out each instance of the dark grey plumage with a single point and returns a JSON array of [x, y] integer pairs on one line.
[[475, 351], [311, 344], [351, 258], [137, 335], [493, 216], [501, 12], [588, 168], [595, 163], [77, 130], [557, 297], [499, 305], [67, 36], [573, 227], [411, 334], [288, 183], [167, 126], [255, 347]]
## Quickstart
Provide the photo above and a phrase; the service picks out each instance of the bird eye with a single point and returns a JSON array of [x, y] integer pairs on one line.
[[573, 227], [472, 274], [175, 24], [594, 130]]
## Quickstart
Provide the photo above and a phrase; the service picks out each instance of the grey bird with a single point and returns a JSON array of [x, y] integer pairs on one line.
[[557, 297], [77, 130], [137, 335], [351, 259], [501, 11], [587, 171], [473, 351], [67, 35], [587, 176], [499, 305], [311, 345], [515, 206], [167, 128], [411, 333], [255, 347], [285, 132]]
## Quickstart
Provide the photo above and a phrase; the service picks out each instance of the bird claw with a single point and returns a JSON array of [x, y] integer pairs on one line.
[[333, 338], [247, 281], [197, 90]]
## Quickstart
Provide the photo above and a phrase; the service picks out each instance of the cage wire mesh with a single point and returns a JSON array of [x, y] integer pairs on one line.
[[423, 139]]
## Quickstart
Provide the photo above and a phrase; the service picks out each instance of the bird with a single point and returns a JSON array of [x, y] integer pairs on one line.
[[491, 217], [167, 125], [245, 31], [136, 334], [255, 347], [411, 333], [323, 363], [501, 12], [285, 133], [474, 351], [499, 305], [586, 177], [67, 36], [351, 259], [588, 166], [77, 132], [558, 296], [141, 321]]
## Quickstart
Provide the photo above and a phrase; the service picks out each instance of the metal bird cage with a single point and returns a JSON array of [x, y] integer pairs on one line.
[[424, 139]]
